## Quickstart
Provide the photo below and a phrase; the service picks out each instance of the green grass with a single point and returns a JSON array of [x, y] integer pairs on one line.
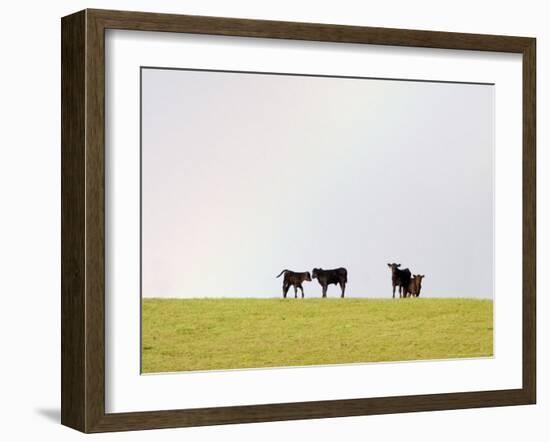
[[210, 334]]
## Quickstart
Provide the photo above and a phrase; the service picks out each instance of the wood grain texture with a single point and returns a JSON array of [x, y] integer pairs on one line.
[[529, 221], [145, 21], [83, 220], [95, 222], [307, 410], [73, 254]]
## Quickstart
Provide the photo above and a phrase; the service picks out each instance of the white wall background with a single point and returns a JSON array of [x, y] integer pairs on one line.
[[30, 225]]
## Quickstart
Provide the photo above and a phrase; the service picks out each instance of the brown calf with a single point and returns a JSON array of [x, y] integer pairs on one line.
[[415, 285], [294, 279]]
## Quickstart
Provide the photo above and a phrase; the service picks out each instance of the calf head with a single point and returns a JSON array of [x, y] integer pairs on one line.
[[417, 282], [308, 276], [393, 266]]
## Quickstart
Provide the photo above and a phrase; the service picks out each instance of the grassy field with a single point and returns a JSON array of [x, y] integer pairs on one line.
[[208, 334]]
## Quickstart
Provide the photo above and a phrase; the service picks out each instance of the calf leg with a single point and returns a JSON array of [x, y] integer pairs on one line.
[[343, 287], [302, 290], [324, 291], [393, 291], [295, 292], [285, 289]]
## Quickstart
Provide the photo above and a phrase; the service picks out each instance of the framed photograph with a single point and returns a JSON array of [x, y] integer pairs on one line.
[[270, 220]]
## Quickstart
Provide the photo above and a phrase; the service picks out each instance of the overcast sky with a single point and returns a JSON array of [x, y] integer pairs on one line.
[[244, 175]]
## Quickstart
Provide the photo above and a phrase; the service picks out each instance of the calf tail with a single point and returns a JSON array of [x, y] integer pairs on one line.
[[285, 270]]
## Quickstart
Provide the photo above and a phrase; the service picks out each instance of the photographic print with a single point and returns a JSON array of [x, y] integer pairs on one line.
[[267, 220], [298, 220]]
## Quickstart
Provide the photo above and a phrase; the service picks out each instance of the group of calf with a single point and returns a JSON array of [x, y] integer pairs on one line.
[[408, 285], [325, 277]]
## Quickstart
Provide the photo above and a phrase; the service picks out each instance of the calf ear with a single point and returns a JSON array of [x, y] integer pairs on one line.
[[389, 265], [398, 265]]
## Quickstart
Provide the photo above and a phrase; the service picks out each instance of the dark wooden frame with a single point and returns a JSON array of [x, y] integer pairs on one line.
[[83, 220]]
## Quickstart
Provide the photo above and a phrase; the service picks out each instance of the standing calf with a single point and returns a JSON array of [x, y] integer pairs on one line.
[[399, 278], [415, 285], [294, 279], [334, 276]]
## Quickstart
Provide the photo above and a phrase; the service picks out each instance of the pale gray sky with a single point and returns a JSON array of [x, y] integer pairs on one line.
[[244, 175]]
